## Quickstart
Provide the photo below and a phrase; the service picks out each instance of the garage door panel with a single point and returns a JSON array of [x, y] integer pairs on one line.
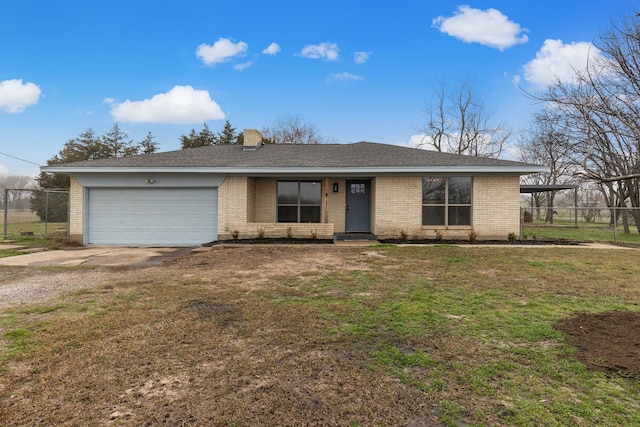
[[167, 217]]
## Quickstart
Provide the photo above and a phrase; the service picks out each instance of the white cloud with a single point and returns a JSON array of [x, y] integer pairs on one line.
[[222, 50], [15, 96], [558, 61], [243, 65], [343, 77], [487, 27], [4, 171], [361, 57], [326, 51], [272, 49], [181, 105]]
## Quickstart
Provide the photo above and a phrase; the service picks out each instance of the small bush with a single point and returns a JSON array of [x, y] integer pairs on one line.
[[512, 237], [261, 233], [314, 234], [403, 236], [289, 233], [438, 235], [235, 234], [473, 235]]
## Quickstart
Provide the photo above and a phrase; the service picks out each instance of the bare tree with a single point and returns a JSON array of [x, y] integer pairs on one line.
[[591, 201], [545, 143], [292, 130], [458, 122], [16, 199], [600, 110]]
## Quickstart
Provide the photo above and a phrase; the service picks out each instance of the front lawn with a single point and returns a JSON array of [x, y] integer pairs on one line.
[[325, 335]]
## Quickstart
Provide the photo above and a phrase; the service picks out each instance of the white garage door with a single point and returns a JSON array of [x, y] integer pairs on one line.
[[158, 216]]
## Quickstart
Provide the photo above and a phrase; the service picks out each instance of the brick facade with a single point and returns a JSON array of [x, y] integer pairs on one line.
[[76, 212], [495, 209], [496, 206], [249, 206]]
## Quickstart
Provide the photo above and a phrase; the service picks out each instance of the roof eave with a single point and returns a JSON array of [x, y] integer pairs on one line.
[[369, 170]]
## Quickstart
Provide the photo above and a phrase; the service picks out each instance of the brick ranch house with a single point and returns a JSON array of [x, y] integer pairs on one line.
[[199, 195]]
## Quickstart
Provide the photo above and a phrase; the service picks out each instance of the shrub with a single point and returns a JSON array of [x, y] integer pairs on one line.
[[438, 235], [403, 236], [473, 235], [235, 234], [261, 232], [512, 237], [314, 234], [289, 233]]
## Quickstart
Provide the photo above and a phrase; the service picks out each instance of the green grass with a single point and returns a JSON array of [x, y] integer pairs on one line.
[[54, 238], [584, 232], [499, 329]]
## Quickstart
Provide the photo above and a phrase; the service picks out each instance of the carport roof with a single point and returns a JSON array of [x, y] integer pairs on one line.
[[236, 158]]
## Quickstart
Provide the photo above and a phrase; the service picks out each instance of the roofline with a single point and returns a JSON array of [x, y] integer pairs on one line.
[[515, 169]]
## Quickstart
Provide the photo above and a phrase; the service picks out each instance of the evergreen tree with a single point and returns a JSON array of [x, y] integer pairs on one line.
[[148, 145], [228, 134], [194, 139], [87, 146]]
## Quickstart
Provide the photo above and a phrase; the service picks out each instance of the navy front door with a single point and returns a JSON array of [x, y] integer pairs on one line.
[[358, 209]]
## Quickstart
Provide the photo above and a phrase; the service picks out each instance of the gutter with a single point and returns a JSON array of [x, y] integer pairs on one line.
[[324, 171]]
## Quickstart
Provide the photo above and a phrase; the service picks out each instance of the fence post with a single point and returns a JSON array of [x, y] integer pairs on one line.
[[46, 213], [6, 207], [575, 206], [615, 225], [521, 221]]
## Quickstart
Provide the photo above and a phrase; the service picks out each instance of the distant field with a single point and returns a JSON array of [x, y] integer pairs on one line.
[[21, 216], [21, 222]]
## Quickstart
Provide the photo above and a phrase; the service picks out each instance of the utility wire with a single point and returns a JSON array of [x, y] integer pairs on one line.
[[18, 158]]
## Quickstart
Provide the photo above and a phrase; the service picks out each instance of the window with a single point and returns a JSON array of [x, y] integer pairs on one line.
[[299, 201], [446, 201]]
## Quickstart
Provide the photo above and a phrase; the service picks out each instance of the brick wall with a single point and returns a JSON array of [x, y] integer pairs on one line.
[[266, 200], [232, 206], [337, 204], [249, 205], [397, 207], [496, 206], [76, 212], [251, 137], [301, 231]]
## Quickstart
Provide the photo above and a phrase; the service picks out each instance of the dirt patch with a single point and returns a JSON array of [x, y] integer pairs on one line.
[[608, 342]]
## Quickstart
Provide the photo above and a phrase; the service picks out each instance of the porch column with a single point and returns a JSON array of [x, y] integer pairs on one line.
[[325, 200]]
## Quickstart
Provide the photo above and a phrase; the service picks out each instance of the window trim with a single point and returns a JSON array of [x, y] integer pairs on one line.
[[299, 203], [446, 205]]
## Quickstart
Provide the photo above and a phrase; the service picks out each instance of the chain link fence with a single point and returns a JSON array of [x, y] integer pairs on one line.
[[37, 213], [599, 223]]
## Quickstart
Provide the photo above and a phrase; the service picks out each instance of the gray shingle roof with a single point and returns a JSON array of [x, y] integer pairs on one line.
[[357, 155]]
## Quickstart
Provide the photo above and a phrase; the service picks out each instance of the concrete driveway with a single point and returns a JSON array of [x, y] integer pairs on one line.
[[95, 256]]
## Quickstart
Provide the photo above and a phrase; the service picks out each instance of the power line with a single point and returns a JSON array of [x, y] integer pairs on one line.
[[18, 158]]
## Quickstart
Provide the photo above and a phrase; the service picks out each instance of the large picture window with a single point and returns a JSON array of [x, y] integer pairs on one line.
[[299, 201], [446, 200]]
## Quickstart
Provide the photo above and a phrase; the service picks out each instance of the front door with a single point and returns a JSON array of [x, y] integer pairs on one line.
[[358, 209]]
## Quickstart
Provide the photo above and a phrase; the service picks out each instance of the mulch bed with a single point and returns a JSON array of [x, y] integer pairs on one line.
[[285, 240]]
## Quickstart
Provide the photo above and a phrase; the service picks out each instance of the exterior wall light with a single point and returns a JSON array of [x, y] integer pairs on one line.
[[335, 187], [150, 181]]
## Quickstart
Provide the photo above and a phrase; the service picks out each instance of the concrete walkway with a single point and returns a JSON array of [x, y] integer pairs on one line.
[[93, 256]]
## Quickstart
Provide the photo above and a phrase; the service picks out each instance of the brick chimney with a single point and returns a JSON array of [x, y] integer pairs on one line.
[[252, 138]]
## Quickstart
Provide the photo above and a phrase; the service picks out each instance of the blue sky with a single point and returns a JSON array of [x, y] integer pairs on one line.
[[357, 70]]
